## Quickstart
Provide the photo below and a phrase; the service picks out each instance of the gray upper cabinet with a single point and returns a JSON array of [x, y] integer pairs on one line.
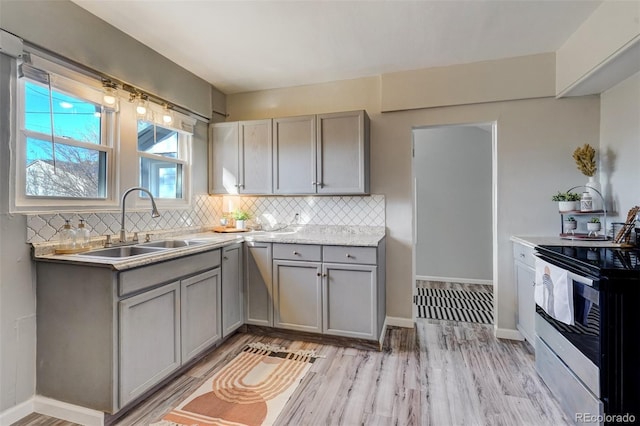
[[321, 154], [342, 159], [232, 289], [223, 158], [294, 155], [240, 157]]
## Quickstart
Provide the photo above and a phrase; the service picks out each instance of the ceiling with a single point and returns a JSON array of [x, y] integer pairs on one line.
[[241, 46]]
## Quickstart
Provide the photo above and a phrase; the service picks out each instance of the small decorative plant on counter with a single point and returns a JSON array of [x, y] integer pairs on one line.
[[585, 157], [566, 201], [240, 216]]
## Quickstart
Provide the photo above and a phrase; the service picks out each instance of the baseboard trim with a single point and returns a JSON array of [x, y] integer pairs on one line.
[[454, 280], [69, 412], [399, 322], [508, 333], [17, 412]]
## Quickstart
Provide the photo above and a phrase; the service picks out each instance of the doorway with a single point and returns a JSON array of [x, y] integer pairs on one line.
[[453, 204]]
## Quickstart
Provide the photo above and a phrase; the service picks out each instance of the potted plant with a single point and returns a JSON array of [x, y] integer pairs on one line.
[[566, 201], [570, 224], [240, 216], [593, 225]]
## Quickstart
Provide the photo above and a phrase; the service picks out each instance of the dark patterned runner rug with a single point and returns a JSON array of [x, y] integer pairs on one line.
[[454, 305]]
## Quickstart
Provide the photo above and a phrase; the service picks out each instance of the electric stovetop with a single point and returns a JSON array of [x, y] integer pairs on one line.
[[598, 261]]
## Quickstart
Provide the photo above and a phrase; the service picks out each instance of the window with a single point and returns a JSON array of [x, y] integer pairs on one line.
[[64, 150], [164, 159], [63, 156]]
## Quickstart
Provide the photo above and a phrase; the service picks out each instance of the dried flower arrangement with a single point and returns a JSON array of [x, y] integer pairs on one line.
[[585, 157]]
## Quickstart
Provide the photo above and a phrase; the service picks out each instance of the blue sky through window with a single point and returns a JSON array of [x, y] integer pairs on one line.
[[74, 118]]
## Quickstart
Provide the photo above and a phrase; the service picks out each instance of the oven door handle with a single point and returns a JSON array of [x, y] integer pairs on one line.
[[579, 278], [575, 277]]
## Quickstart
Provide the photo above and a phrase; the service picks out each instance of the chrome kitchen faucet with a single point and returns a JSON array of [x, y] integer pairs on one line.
[[154, 210]]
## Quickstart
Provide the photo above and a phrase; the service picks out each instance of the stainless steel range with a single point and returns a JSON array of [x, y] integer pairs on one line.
[[593, 364]]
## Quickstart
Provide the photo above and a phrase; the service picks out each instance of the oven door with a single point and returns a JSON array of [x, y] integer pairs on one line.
[[568, 356]]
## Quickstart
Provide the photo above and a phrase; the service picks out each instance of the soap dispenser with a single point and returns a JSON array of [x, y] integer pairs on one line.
[[82, 235], [67, 236]]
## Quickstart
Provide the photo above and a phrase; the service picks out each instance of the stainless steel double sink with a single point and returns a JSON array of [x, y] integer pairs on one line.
[[141, 249]]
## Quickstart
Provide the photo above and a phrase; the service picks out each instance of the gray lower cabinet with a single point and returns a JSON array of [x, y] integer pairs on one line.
[[525, 275], [258, 290], [232, 289], [335, 290], [105, 337], [350, 300], [298, 295], [149, 339], [200, 312]]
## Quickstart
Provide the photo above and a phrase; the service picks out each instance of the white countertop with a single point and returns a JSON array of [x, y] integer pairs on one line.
[[532, 241], [362, 236]]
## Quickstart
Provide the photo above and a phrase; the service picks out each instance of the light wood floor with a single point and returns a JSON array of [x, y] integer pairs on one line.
[[440, 373]]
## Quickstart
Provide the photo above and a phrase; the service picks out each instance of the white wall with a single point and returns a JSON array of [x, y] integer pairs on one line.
[[452, 167], [620, 146], [17, 281]]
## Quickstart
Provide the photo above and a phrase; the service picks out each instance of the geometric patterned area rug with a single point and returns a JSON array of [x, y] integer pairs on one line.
[[251, 390], [454, 305]]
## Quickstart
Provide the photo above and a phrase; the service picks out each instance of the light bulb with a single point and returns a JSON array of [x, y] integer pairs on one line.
[[166, 115], [141, 108], [109, 96]]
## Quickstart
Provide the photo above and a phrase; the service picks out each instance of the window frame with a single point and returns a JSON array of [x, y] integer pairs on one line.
[[77, 85], [184, 155]]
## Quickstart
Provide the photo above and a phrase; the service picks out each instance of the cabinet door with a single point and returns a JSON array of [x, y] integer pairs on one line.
[[223, 158], [149, 339], [232, 291], [200, 313], [525, 280], [343, 153], [298, 295], [294, 155], [258, 285], [349, 296], [255, 157]]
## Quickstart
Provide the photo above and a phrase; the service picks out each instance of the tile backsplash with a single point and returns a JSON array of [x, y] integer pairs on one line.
[[207, 210]]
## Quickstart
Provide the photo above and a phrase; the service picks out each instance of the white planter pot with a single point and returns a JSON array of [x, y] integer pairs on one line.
[[593, 227], [567, 206], [570, 225], [239, 224]]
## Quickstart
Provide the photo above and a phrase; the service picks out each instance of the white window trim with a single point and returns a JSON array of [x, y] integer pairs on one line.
[[65, 81], [182, 124]]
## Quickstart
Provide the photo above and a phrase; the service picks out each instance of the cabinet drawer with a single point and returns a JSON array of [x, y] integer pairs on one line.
[[297, 252], [349, 254], [524, 254], [158, 273]]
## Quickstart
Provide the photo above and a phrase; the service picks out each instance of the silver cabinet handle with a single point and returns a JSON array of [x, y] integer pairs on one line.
[[522, 255], [324, 275], [349, 256], [225, 257], [314, 183], [319, 274], [295, 253], [241, 185]]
